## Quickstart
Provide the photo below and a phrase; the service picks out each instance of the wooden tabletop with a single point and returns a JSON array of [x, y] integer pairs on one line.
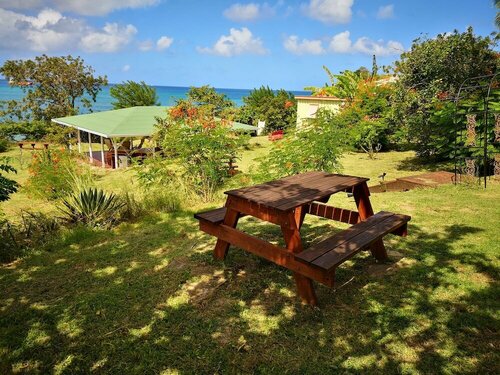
[[294, 191]]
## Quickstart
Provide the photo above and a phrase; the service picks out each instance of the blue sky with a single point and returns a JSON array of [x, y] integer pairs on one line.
[[229, 44]]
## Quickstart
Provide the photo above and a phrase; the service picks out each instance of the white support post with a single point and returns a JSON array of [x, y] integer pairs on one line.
[[115, 146], [103, 163], [79, 139], [90, 148]]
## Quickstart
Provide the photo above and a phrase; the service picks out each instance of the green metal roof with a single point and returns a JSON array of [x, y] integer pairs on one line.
[[126, 122]]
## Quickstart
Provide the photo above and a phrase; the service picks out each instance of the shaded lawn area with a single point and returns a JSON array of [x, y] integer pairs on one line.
[[148, 298]]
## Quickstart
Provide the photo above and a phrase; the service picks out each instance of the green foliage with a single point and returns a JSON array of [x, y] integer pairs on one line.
[[54, 174], [206, 96], [131, 94], [317, 146], [343, 85], [434, 69], [4, 144], [277, 109], [7, 186], [164, 190], [34, 229], [31, 130], [199, 148], [56, 83], [91, 207]]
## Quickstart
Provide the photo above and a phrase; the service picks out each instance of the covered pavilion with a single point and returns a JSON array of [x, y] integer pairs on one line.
[[121, 127]]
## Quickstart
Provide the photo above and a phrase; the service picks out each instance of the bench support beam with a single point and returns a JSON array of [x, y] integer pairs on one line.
[[267, 251]]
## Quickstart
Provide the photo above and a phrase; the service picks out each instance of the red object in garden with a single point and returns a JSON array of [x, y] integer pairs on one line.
[[274, 136]]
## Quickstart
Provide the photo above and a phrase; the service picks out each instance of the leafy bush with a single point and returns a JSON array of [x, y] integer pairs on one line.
[[277, 109], [7, 186], [54, 174], [131, 94], [91, 207], [316, 146], [199, 148], [433, 69], [4, 144]]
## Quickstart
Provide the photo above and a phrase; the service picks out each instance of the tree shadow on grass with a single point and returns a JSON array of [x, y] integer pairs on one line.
[[150, 298], [418, 164]]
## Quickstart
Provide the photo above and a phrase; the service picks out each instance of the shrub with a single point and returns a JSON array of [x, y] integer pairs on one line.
[[4, 144], [54, 174], [91, 207], [315, 146], [435, 68], [7, 186], [198, 147]]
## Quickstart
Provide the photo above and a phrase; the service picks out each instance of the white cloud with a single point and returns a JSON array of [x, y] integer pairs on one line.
[[385, 12], [236, 43], [248, 12], [329, 11], [163, 43], [309, 47], [126, 68], [145, 45], [47, 31], [341, 43], [111, 39], [50, 31], [82, 7]]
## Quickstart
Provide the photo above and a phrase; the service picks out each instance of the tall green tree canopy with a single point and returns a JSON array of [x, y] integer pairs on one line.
[[55, 85], [132, 94], [434, 69], [278, 109], [207, 97]]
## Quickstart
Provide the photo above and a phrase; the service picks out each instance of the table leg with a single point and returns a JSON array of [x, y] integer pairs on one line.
[[221, 247], [300, 215], [362, 197], [290, 229]]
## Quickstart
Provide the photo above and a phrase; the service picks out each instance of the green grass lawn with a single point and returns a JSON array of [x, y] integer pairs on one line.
[[147, 297]]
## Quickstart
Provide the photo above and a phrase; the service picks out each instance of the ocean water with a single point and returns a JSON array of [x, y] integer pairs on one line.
[[167, 95]]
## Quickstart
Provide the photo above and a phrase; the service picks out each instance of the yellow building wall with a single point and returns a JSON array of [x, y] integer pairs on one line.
[[306, 108]]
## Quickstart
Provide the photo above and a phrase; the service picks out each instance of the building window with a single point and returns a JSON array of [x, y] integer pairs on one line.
[[313, 108]]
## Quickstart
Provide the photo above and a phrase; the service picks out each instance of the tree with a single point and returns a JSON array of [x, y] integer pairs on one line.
[[278, 109], [53, 86], [207, 97], [431, 70], [132, 94]]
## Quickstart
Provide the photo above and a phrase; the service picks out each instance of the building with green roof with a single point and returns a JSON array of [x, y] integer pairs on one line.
[[121, 126]]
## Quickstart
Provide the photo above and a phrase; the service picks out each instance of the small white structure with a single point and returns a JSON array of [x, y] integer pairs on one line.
[[307, 106], [260, 127]]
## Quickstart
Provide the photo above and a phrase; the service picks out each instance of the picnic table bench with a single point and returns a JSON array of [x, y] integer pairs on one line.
[[286, 202]]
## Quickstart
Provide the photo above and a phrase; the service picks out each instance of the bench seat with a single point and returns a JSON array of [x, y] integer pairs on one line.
[[215, 216], [331, 252]]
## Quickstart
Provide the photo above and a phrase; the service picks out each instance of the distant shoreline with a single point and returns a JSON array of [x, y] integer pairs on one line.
[[167, 95]]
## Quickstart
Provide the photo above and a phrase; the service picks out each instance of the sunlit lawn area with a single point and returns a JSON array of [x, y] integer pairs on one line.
[[147, 297]]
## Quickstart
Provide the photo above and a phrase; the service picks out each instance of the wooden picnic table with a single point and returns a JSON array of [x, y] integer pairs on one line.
[[286, 202]]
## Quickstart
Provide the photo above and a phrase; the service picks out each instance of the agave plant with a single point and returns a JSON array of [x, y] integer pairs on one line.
[[91, 207]]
